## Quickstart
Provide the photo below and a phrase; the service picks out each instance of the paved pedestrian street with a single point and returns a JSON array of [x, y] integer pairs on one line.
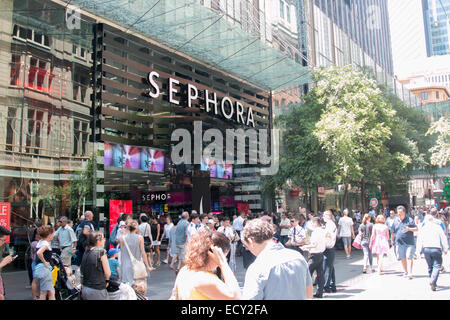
[[352, 283]]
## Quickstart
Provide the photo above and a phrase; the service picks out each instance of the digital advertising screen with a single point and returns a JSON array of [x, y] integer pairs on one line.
[[132, 157]]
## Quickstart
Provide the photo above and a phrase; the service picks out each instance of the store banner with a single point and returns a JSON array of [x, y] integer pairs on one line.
[[5, 217], [243, 207], [201, 194], [115, 208]]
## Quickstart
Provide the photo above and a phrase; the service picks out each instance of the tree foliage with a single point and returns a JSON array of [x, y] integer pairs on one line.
[[440, 152]]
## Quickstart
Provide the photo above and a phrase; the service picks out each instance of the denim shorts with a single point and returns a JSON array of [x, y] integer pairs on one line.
[[405, 251], [347, 241], [44, 276]]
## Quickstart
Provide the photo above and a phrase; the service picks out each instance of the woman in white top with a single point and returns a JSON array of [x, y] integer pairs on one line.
[[166, 234]]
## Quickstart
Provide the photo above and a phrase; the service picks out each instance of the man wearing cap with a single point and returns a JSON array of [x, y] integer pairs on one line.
[[67, 241]]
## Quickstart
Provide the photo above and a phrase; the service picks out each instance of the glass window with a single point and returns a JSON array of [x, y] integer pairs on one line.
[[282, 9], [424, 95], [437, 95], [288, 13]]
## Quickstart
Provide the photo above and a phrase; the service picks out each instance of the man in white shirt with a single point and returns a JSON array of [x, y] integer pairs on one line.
[[432, 239], [192, 228], [346, 232], [203, 222], [329, 253], [238, 225], [316, 247], [228, 230], [285, 225], [296, 235]]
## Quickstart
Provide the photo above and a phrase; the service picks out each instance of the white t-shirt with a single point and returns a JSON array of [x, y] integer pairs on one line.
[[318, 236], [191, 230], [285, 222], [346, 224], [330, 228], [167, 228]]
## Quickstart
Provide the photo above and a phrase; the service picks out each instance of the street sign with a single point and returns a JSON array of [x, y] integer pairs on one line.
[[5, 216], [373, 202]]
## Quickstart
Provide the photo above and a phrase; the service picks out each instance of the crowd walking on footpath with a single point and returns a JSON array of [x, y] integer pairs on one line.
[[285, 256]]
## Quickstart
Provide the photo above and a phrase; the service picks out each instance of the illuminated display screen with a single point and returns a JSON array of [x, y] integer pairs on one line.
[[219, 169], [131, 157]]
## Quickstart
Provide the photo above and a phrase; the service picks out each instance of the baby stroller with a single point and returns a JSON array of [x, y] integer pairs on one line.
[[67, 287]]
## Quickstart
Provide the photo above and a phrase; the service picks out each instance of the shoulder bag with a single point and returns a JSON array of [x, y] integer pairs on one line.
[[139, 270]]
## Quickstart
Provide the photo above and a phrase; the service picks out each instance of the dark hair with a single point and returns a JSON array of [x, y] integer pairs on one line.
[[194, 216], [226, 218], [144, 219], [93, 237], [4, 231], [203, 216], [45, 231]]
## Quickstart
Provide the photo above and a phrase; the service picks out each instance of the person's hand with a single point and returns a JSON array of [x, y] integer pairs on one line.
[[150, 269], [47, 264], [7, 260], [217, 255]]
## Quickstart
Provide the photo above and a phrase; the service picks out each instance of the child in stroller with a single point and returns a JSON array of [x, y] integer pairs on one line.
[[67, 285]]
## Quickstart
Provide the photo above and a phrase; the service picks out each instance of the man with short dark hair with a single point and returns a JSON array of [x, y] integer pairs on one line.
[[203, 222], [277, 273], [403, 232], [238, 225], [7, 260], [193, 226]]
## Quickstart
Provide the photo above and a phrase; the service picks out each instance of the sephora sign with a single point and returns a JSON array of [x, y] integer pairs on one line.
[[227, 107]]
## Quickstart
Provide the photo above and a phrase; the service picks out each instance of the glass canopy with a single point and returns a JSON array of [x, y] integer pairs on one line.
[[205, 34]]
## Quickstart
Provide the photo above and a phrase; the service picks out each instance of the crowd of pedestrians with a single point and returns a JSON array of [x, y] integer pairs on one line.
[[285, 255]]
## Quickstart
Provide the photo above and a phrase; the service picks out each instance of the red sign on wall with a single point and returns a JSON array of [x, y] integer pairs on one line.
[[115, 208], [5, 216], [243, 207]]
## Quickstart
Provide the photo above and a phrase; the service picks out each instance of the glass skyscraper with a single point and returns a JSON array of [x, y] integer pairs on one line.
[[436, 16]]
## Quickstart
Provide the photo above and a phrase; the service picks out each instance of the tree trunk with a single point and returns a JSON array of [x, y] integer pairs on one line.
[[363, 196], [345, 202]]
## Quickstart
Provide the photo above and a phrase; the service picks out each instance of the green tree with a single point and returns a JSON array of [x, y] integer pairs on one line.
[[356, 128], [440, 152], [81, 188]]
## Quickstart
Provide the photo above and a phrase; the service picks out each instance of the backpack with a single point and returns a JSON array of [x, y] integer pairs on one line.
[[112, 237]]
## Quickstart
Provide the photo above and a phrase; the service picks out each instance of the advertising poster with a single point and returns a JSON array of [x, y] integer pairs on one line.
[[131, 157], [5, 217], [115, 208]]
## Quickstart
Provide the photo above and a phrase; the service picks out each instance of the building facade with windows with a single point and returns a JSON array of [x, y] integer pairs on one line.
[[81, 125], [436, 17]]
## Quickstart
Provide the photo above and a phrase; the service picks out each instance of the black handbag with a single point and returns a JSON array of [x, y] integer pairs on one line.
[[113, 286]]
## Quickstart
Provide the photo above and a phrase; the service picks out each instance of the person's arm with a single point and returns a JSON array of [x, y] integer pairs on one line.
[[339, 229], [444, 242], [158, 228], [216, 289], [118, 272], [163, 234], [144, 255], [353, 230], [309, 292], [106, 269]]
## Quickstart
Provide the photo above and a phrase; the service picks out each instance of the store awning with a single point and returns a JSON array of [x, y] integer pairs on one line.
[[204, 34]]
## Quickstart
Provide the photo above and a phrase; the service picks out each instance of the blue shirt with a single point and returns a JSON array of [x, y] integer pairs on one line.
[[113, 265], [403, 237], [277, 274], [180, 233], [66, 236]]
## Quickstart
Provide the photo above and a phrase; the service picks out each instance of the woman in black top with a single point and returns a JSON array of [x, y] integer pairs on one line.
[[95, 269], [82, 243], [156, 232]]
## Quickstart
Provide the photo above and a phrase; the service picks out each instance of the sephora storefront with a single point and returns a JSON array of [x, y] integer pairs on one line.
[[91, 92]]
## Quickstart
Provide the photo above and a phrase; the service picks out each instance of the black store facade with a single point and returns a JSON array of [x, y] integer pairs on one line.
[[79, 128]]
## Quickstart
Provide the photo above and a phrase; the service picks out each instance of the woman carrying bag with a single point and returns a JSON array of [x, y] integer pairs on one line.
[[133, 256]]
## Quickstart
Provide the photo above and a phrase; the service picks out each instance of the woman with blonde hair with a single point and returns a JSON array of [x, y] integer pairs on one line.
[[132, 244], [379, 243], [196, 281], [365, 229]]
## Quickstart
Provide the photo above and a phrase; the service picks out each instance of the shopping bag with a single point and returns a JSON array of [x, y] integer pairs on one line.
[[357, 242]]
